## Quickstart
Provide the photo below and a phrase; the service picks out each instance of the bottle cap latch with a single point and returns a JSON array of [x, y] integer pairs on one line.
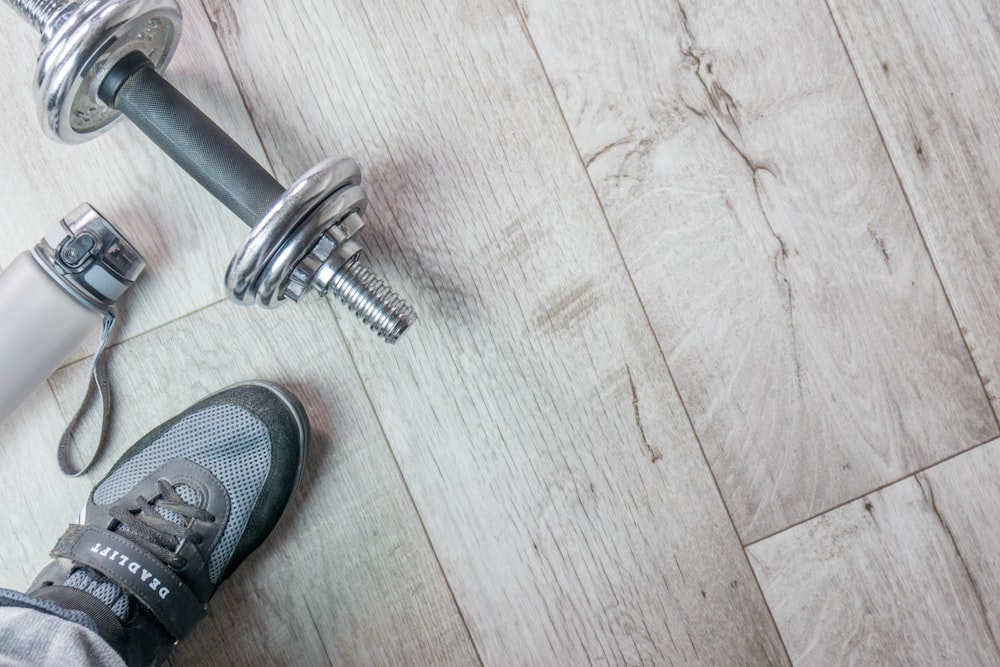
[[89, 256], [95, 264]]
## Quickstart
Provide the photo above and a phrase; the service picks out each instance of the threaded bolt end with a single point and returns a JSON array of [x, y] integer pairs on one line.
[[374, 302], [39, 13]]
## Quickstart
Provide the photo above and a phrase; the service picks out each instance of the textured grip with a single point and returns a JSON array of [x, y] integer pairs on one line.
[[197, 144]]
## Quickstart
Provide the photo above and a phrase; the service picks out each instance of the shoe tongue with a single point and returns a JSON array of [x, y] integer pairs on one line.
[[110, 593], [188, 494]]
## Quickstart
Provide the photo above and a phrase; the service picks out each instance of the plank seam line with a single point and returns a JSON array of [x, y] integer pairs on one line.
[[239, 88], [354, 362], [642, 306], [406, 485], [881, 487], [115, 341], [913, 215]]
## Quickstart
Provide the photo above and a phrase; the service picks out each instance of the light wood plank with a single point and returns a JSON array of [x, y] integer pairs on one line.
[[906, 576], [186, 236], [770, 242], [530, 410], [36, 492], [930, 73], [349, 577]]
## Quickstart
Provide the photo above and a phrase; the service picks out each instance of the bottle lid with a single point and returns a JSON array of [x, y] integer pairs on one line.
[[86, 254]]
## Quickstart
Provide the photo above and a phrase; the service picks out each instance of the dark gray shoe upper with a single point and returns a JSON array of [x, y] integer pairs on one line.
[[182, 508], [250, 440]]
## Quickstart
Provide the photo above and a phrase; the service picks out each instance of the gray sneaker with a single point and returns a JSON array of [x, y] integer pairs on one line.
[[176, 516]]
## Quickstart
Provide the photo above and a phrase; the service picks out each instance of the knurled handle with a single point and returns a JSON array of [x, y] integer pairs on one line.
[[190, 138]]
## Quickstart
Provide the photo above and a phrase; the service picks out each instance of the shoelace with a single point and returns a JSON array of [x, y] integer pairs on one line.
[[147, 526]]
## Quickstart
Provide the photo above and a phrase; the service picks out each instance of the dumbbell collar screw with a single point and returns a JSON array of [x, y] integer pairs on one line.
[[304, 241], [333, 250]]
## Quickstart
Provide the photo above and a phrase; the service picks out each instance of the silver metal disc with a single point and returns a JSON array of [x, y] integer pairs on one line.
[[286, 214], [84, 48]]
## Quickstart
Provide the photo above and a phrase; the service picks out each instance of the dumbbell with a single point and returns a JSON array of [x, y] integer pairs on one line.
[[101, 60]]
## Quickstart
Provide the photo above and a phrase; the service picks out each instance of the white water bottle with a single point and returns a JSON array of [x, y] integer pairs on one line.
[[53, 296]]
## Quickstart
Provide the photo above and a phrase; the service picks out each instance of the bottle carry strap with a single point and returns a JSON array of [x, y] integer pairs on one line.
[[98, 379]]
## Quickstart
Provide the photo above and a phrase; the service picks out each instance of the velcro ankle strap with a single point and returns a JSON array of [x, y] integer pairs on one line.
[[142, 575]]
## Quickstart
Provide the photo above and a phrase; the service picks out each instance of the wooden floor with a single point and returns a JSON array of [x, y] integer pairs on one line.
[[705, 371]]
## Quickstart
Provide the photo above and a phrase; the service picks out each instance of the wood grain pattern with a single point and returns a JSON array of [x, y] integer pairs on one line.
[[930, 72], [36, 490], [349, 577], [171, 219], [578, 199], [534, 421], [774, 252], [907, 575]]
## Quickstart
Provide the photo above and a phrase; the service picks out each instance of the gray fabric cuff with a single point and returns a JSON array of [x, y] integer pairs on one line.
[[9, 598]]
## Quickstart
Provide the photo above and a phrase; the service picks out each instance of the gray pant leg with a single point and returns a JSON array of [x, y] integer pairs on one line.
[[38, 632]]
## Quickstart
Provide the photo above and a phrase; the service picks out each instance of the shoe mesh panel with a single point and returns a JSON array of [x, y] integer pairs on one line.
[[230, 442]]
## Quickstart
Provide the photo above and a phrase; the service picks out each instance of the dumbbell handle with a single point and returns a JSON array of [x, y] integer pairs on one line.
[[190, 138], [289, 250]]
